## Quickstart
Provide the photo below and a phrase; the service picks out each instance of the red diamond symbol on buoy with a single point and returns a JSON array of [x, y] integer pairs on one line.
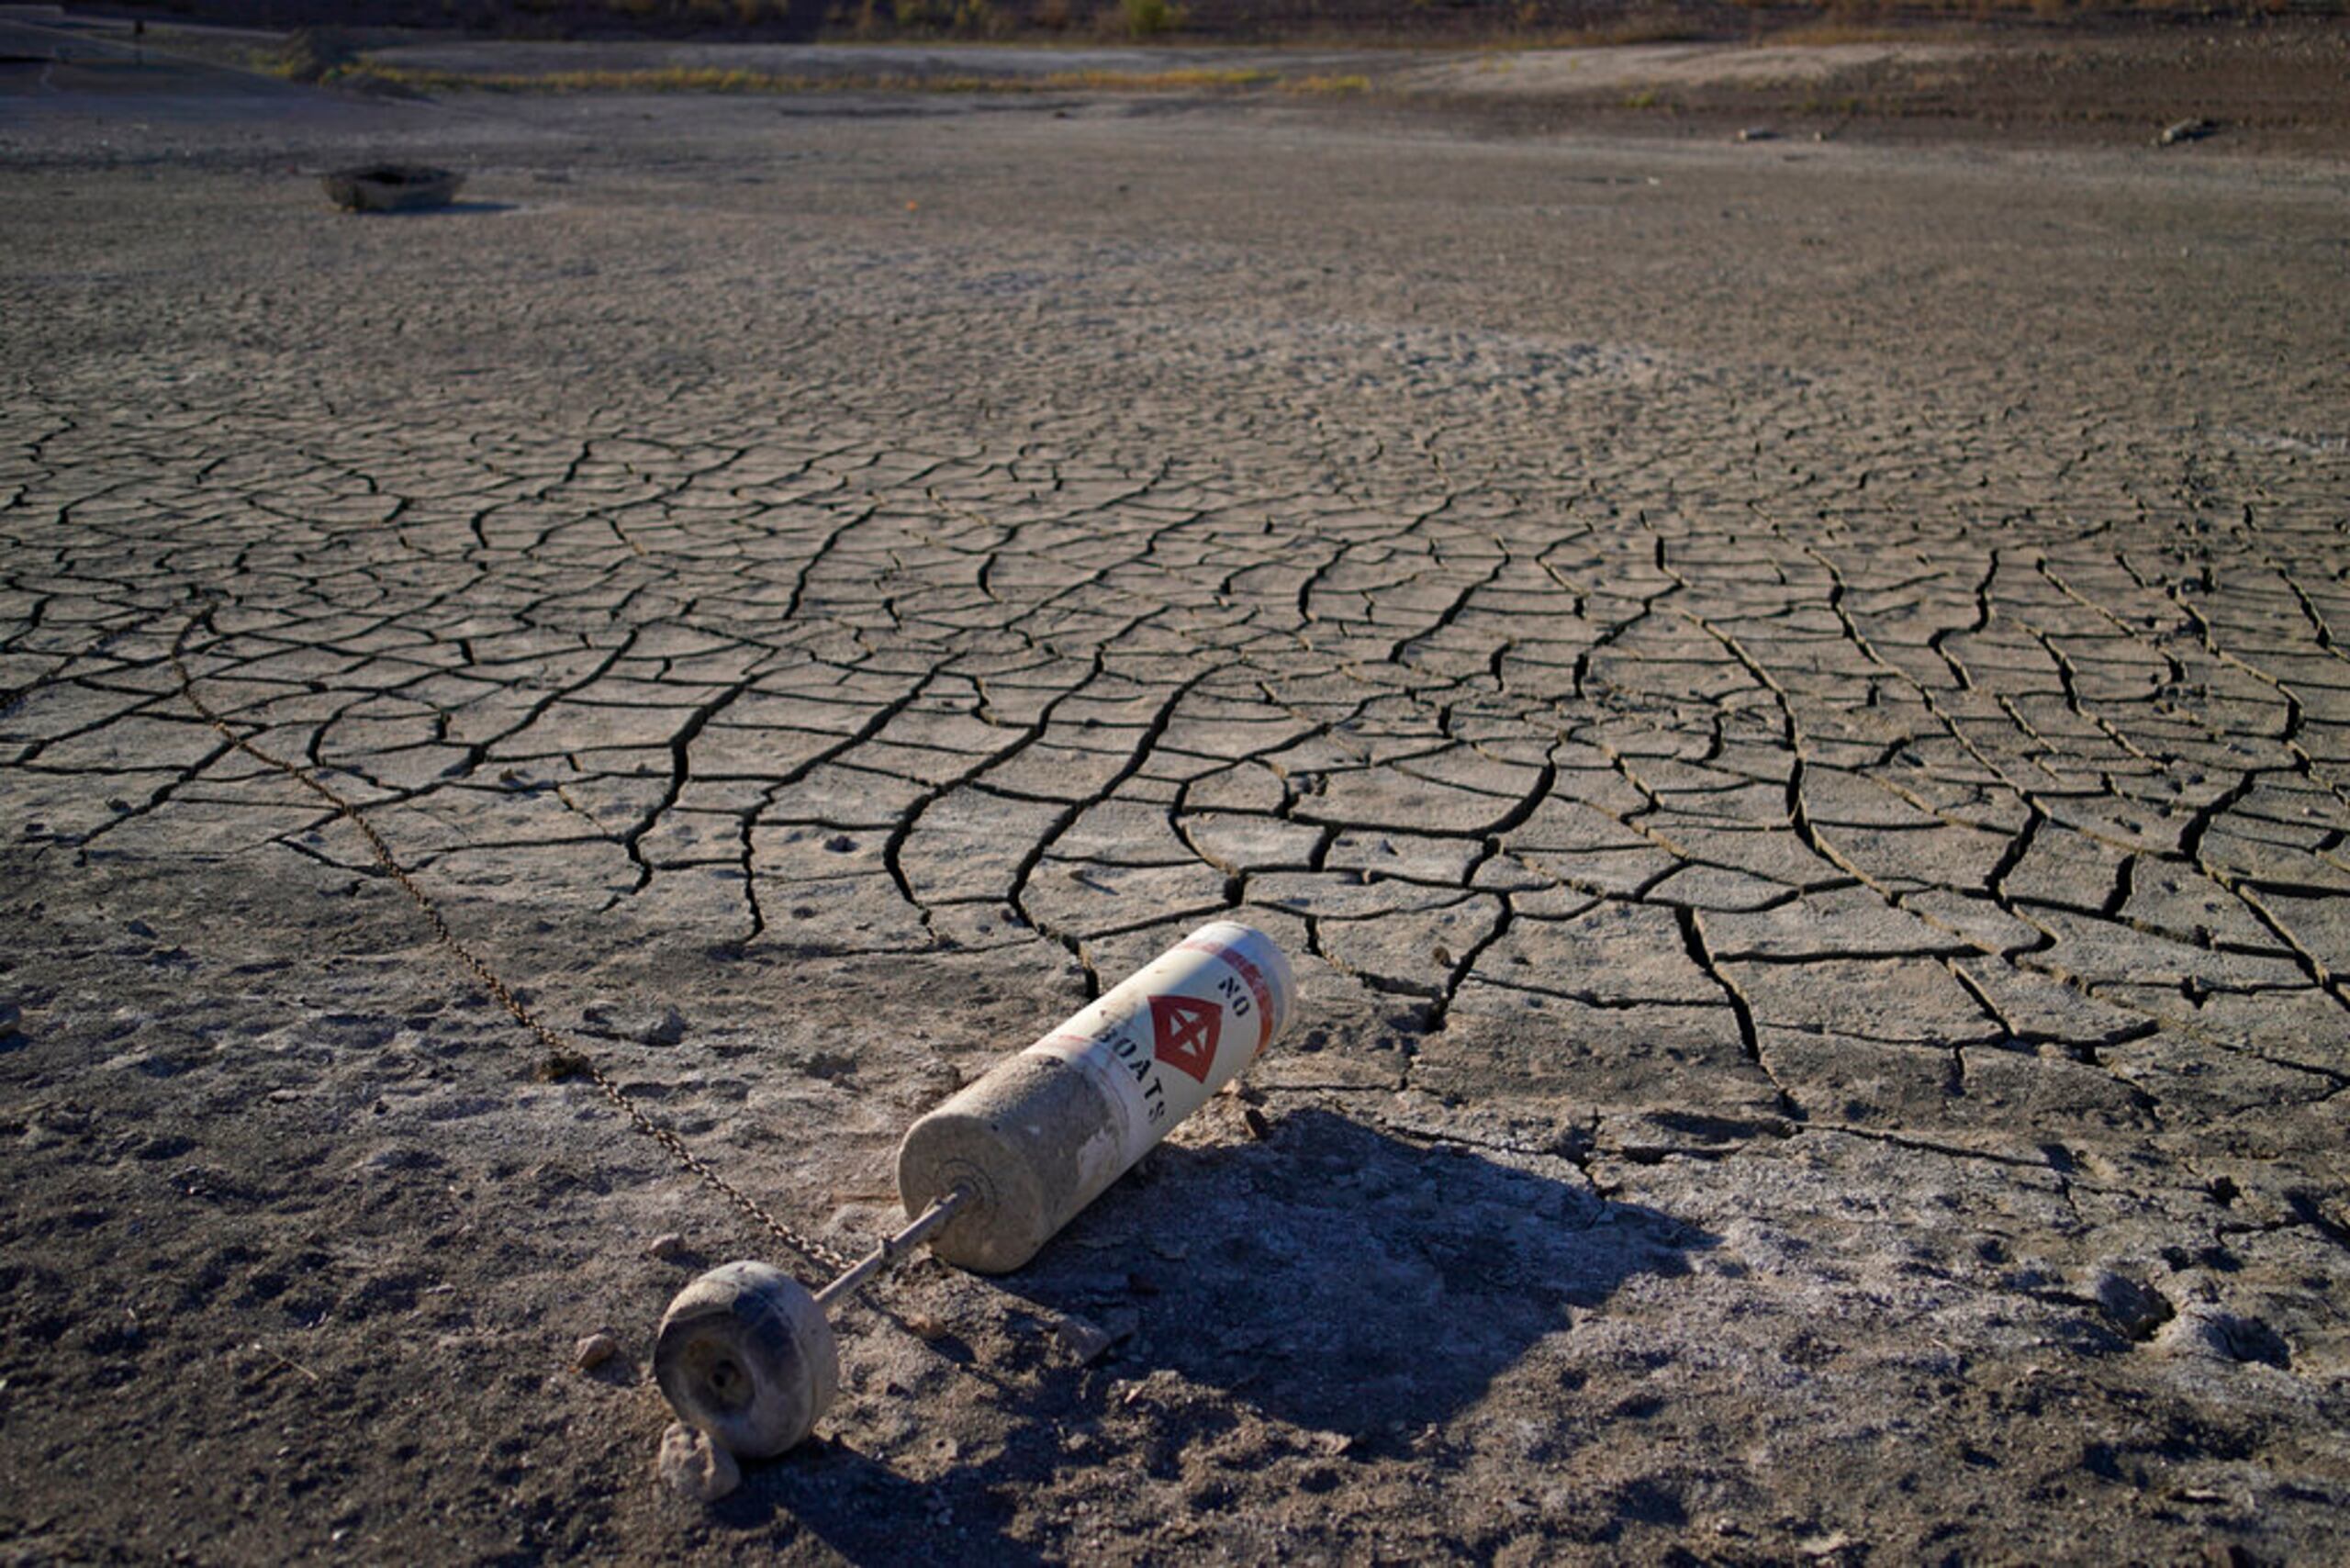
[[1187, 1029]]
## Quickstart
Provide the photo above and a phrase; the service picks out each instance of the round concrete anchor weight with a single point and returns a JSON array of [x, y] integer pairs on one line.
[[746, 1354]]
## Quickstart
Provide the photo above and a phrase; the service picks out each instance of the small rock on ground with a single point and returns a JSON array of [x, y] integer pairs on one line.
[[2136, 1308], [1086, 1341], [594, 1350], [2207, 1332], [694, 1467]]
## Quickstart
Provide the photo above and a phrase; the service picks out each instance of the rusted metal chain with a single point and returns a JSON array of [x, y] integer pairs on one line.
[[563, 1050]]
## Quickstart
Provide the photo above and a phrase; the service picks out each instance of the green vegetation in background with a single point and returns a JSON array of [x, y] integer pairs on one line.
[[310, 54], [1629, 21], [714, 79], [1148, 19], [1489, 23]]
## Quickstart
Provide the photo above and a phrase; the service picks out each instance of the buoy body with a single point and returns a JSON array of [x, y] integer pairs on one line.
[[1046, 1131], [747, 1353]]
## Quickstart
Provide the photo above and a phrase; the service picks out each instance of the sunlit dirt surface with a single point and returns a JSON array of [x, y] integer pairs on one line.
[[1786, 699]]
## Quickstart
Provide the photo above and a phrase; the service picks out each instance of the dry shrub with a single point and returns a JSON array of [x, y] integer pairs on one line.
[[1149, 18]]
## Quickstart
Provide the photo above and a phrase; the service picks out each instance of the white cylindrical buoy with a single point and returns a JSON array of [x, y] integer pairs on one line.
[[1044, 1132], [747, 1353]]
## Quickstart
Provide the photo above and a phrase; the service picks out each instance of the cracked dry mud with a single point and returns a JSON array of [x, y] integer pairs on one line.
[[1788, 705]]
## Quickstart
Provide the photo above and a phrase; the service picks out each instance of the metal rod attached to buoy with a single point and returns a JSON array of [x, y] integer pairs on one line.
[[746, 1353], [940, 1210]]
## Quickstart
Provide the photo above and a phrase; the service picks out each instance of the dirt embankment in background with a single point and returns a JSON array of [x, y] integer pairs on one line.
[[2269, 81]]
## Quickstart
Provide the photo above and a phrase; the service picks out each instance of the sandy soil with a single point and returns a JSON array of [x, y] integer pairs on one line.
[[828, 60], [1553, 73], [1786, 699]]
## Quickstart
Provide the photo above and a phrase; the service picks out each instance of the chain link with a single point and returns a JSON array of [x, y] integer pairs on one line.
[[563, 1051]]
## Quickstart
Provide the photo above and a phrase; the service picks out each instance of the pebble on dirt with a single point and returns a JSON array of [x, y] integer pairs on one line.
[[2135, 1307], [694, 1467], [594, 1350], [1083, 1339], [650, 1024], [667, 1247]]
